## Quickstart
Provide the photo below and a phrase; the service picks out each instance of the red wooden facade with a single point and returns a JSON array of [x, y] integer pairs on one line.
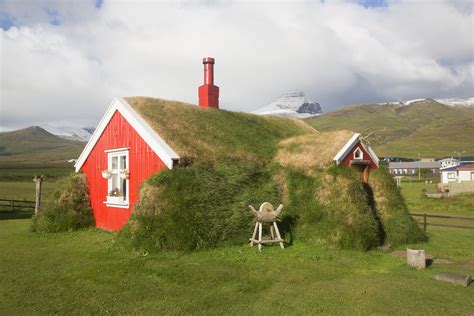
[[364, 165], [350, 157], [143, 162]]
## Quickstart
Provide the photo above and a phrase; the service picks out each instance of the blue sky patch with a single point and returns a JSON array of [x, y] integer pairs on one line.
[[372, 3], [98, 3], [6, 21], [54, 18]]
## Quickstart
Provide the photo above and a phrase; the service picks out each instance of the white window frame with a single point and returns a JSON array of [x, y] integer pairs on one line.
[[451, 176], [118, 152], [358, 154]]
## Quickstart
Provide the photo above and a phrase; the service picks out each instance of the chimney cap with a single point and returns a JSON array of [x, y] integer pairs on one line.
[[208, 60]]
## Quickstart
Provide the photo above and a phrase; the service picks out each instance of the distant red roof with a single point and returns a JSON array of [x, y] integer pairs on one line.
[[466, 167]]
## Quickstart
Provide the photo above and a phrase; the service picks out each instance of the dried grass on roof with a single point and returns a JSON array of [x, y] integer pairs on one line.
[[313, 150], [209, 135]]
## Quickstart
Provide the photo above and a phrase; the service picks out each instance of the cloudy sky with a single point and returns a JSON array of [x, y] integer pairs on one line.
[[64, 60]]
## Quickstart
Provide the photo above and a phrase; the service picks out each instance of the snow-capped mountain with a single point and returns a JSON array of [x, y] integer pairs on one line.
[[457, 102], [69, 132], [450, 102], [291, 105]]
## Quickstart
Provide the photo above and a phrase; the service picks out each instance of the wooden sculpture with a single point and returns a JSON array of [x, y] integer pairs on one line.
[[266, 214]]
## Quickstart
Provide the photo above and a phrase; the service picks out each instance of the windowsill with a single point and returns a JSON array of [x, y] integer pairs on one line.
[[117, 204]]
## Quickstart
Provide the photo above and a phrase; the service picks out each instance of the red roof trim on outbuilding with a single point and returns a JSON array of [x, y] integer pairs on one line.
[[347, 148]]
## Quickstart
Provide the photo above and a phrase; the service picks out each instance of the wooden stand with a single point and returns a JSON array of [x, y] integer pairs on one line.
[[273, 230]]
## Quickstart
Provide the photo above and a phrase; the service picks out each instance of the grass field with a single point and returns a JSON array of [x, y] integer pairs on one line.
[[86, 272]]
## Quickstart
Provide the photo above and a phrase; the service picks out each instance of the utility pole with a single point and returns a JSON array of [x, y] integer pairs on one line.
[[419, 167], [459, 153]]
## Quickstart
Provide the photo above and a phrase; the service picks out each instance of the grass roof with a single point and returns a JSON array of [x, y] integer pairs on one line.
[[312, 150], [209, 134]]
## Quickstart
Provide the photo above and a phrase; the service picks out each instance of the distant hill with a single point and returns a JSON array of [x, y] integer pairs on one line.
[[407, 129], [34, 146]]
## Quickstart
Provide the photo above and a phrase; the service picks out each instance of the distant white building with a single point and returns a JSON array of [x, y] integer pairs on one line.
[[449, 162], [458, 173]]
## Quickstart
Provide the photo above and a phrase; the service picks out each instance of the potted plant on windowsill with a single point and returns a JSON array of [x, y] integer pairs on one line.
[[115, 196]]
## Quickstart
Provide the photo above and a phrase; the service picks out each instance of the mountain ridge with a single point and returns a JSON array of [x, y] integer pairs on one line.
[[34, 146], [424, 127]]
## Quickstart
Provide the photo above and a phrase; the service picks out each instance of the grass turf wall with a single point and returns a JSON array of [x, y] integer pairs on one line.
[[199, 207], [398, 225]]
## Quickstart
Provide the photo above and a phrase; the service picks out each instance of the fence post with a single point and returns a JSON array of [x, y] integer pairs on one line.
[[424, 222], [13, 205], [38, 180]]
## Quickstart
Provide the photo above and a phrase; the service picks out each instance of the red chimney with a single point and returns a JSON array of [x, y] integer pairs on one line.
[[208, 92]]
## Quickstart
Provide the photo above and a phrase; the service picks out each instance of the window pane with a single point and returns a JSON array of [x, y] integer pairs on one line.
[[115, 181], [124, 188], [123, 162], [114, 162]]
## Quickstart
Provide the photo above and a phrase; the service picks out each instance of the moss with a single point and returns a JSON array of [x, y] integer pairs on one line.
[[70, 208]]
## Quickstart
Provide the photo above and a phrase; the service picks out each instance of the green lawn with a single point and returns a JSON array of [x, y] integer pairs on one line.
[[25, 190], [417, 202], [85, 272]]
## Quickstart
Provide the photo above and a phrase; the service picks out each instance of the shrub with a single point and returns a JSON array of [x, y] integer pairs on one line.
[[198, 207], [398, 225], [70, 208]]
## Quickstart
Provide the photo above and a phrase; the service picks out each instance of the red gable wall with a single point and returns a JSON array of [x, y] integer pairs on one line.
[[350, 156], [143, 162]]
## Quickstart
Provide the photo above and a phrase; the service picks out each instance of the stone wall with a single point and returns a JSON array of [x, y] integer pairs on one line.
[[463, 187]]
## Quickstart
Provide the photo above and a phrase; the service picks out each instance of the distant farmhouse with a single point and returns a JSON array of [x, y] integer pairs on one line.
[[449, 162], [458, 173], [412, 168]]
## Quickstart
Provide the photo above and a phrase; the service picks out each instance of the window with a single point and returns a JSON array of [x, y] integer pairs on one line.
[[358, 154], [451, 175], [118, 174]]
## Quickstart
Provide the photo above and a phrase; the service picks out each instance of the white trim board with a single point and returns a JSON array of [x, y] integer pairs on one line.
[[348, 147], [156, 143]]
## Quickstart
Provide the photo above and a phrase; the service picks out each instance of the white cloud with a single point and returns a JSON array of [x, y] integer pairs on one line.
[[336, 51]]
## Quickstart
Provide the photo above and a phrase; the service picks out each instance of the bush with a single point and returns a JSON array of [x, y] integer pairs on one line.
[[198, 207], [70, 208], [398, 225]]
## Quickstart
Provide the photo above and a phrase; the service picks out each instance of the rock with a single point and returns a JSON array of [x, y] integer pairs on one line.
[[442, 261], [463, 280], [416, 258], [310, 108]]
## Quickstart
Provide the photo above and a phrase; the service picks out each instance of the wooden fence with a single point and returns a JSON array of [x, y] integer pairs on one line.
[[16, 206], [426, 216]]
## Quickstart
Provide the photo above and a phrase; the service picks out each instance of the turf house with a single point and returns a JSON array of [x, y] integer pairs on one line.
[[172, 175]]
